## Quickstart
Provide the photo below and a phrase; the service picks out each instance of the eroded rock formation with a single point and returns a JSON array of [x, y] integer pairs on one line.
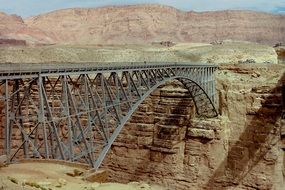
[[149, 23], [144, 24]]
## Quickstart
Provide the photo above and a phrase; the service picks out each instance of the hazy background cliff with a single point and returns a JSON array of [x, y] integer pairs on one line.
[[142, 24]]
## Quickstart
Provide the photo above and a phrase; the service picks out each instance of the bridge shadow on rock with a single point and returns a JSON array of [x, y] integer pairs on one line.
[[253, 147]]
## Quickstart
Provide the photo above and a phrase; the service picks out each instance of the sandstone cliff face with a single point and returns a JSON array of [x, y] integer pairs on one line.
[[149, 23], [14, 31]]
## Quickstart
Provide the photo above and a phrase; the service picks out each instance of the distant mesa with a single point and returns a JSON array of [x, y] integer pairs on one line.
[[143, 24]]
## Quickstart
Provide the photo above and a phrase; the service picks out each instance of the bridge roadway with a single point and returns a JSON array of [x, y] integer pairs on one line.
[[75, 111]]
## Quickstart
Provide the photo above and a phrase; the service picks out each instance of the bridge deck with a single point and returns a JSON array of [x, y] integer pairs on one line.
[[21, 69]]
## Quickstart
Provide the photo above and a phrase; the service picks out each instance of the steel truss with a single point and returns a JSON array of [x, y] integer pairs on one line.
[[76, 113]]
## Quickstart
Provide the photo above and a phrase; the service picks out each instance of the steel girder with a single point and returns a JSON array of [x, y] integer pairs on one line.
[[76, 115]]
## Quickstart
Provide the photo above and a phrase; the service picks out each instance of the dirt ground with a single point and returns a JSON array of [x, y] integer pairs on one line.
[[220, 52], [50, 176]]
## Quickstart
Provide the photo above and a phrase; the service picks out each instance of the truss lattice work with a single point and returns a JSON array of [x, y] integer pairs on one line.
[[76, 113]]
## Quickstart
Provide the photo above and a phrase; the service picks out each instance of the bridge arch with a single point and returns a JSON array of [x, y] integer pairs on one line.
[[188, 83]]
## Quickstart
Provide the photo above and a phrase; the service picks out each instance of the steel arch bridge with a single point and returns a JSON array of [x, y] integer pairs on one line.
[[75, 113]]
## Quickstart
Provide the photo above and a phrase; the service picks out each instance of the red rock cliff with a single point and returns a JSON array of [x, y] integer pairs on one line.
[[148, 23]]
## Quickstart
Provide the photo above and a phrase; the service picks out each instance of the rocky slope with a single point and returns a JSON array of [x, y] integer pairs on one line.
[[227, 52], [13, 31], [145, 23]]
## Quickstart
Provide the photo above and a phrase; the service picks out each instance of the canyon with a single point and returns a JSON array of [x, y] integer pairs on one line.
[[165, 142]]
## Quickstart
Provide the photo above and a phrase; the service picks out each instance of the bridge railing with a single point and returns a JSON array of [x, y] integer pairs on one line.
[[7, 69]]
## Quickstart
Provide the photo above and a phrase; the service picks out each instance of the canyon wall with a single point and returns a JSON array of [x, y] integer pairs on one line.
[[143, 24], [165, 142], [149, 23]]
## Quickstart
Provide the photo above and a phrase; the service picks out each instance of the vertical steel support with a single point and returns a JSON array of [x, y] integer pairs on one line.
[[147, 79], [97, 114], [7, 120], [113, 104], [41, 115], [19, 102], [143, 80], [134, 85], [207, 78], [117, 98], [88, 112], [68, 116], [204, 79], [105, 107], [87, 147], [52, 124], [124, 92], [215, 102], [129, 87], [196, 74]]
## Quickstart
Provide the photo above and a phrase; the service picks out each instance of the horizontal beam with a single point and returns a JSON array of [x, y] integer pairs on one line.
[[10, 71]]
